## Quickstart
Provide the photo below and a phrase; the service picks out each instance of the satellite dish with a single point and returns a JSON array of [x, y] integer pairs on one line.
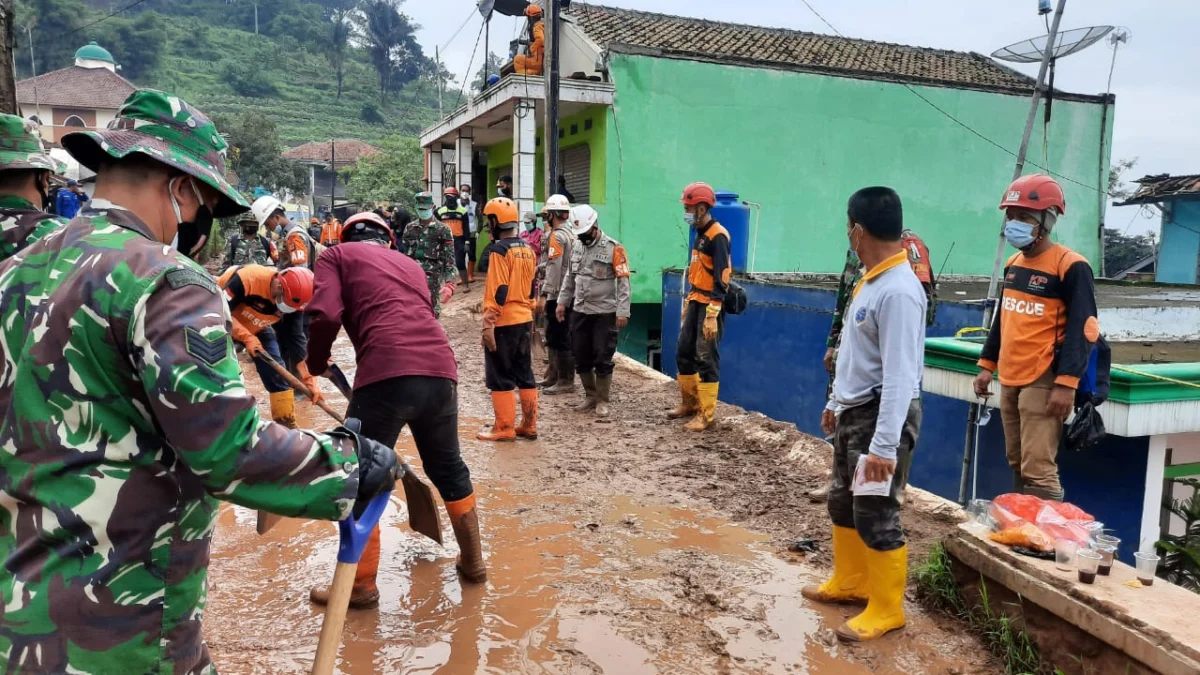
[[1065, 44]]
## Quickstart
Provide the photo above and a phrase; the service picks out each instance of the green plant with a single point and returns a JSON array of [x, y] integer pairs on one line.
[[1181, 553], [371, 115], [247, 80], [936, 585]]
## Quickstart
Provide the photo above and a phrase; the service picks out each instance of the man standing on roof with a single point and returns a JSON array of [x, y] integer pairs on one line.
[[258, 298], [25, 169], [507, 323], [560, 377], [407, 376], [596, 290], [431, 244], [1042, 337], [297, 250], [697, 356], [249, 247], [454, 216], [126, 417], [532, 61], [874, 416]]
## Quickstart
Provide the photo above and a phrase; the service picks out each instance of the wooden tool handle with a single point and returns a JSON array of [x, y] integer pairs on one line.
[[335, 618], [298, 385]]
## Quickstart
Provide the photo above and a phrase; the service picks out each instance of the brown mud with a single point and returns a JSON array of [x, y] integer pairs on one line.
[[625, 547]]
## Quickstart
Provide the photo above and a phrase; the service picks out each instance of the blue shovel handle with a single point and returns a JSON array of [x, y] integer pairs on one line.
[[353, 533]]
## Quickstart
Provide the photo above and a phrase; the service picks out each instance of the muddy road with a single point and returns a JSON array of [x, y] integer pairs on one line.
[[620, 547]]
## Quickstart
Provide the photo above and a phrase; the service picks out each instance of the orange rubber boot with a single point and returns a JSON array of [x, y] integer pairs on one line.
[[529, 414], [505, 405], [365, 594]]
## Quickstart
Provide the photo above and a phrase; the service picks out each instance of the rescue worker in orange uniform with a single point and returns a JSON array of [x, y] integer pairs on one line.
[[454, 215], [1042, 337], [703, 318], [297, 250], [331, 232], [507, 324], [531, 63], [258, 298]]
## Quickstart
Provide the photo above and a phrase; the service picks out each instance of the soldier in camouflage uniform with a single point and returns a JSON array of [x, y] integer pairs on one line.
[[249, 247], [431, 244], [25, 169], [125, 416]]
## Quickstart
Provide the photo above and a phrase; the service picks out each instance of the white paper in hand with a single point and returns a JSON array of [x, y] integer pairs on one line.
[[861, 488]]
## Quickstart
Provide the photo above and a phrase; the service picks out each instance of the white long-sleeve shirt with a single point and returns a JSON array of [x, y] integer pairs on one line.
[[883, 349]]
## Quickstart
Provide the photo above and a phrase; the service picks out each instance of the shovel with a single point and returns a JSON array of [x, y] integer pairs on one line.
[[353, 534], [422, 509]]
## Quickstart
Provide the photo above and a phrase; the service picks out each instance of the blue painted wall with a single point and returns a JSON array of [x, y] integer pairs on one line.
[[1180, 246], [771, 363]]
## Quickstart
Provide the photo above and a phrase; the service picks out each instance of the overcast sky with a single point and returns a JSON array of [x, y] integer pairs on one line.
[[1158, 100]]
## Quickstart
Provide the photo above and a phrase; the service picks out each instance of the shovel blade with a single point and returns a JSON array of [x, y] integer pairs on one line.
[[422, 508], [266, 521]]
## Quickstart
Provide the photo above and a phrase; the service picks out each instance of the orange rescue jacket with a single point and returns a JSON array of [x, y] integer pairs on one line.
[[512, 269]]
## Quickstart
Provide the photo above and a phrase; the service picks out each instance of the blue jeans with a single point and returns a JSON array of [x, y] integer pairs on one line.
[[271, 379]]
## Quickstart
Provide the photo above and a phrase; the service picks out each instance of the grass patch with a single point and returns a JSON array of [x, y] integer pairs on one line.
[[1003, 635]]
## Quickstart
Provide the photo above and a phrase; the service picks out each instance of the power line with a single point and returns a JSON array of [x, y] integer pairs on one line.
[[103, 18], [949, 116], [460, 28], [470, 62]]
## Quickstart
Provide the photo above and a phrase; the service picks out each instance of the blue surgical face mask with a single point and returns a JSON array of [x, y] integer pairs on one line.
[[1019, 234], [690, 219]]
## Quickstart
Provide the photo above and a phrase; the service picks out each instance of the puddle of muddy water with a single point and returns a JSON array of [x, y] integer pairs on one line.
[[591, 583]]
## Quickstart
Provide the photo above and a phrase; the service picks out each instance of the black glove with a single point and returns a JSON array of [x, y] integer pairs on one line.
[[378, 467]]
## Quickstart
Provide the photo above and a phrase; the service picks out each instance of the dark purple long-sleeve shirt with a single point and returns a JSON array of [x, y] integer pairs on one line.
[[382, 299]]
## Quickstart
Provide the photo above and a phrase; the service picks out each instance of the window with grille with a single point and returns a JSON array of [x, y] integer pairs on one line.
[[576, 166]]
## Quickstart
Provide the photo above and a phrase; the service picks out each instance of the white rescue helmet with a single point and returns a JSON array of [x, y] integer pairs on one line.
[[557, 203], [583, 218], [264, 207]]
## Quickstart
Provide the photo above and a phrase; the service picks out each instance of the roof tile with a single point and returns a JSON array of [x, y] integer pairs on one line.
[[735, 42], [348, 151], [76, 87]]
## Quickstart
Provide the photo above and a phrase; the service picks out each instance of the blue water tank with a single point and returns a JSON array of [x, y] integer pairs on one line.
[[735, 216]]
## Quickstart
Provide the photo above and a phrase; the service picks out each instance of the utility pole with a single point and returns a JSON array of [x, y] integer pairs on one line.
[[552, 91], [487, 49], [8, 78], [437, 60], [333, 172], [37, 102], [970, 456], [256, 18]]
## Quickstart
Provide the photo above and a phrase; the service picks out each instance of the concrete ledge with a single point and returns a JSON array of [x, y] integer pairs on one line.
[[1156, 625]]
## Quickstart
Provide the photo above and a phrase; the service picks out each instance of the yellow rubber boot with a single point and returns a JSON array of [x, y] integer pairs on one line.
[[887, 573], [688, 397], [706, 413], [848, 585], [505, 405], [283, 408]]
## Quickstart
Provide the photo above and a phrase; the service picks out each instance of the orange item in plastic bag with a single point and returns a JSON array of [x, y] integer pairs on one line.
[[1027, 535], [1070, 511], [1021, 506], [1004, 518]]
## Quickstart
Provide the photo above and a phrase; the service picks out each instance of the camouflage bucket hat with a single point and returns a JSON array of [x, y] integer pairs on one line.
[[168, 130], [424, 200], [21, 146]]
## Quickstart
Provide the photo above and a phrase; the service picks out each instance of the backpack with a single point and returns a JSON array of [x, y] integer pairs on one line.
[[1094, 385], [918, 259], [735, 299]]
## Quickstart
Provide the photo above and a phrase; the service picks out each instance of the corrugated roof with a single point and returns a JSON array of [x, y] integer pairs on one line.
[[1156, 188], [347, 150], [684, 36], [76, 87]]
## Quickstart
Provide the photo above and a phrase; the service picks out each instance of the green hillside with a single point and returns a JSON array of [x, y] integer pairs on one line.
[[206, 52]]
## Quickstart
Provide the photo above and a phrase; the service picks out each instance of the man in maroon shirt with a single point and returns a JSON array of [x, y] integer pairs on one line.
[[406, 376]]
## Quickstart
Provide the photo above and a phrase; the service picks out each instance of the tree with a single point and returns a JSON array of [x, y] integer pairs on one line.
[[395, 175], [1121, 251], [389, 38], [1116, 186], [339, 16], [256, 153], [55, 28], [137, 44], [492, 67]]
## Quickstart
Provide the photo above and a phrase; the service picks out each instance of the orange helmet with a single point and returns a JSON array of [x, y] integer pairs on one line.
[[533, 10], [297, 285], [699, 193], [1036, 192], [367, 219], [504, 210], [450, 191]]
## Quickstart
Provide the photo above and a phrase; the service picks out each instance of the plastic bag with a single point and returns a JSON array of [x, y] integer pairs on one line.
[[1004, 518], [1021, 506], [1070, 511], [1027, 535]]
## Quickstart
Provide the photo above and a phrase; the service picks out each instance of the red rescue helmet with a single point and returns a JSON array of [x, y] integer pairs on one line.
[[533, 11], [450, 191], [297, 286], [699, 193], [1036, 192], [359, 222]]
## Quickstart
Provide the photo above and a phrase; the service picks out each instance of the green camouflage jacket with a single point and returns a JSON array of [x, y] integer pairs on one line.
[[21, 224], [125, 419], [432, 246], [851, 275], [254, 250]]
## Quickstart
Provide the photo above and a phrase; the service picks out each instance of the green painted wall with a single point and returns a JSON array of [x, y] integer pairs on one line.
[[500, 155], [800, 144]]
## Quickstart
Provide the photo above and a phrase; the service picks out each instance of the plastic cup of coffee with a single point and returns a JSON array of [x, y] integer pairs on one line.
[[1064, 553], [1107, 553], [1147, 566], [1087, 562]]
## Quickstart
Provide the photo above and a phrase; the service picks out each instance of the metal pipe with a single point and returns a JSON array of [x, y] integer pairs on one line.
[[750, 260], [553, 83]]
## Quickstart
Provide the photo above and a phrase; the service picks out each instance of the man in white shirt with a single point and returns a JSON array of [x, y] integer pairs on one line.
[[464, 193], [874, 415]]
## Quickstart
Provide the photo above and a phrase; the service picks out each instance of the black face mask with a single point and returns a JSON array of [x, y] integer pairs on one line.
[[249, 233], [451, 202], [192, 234], [588, 237]]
